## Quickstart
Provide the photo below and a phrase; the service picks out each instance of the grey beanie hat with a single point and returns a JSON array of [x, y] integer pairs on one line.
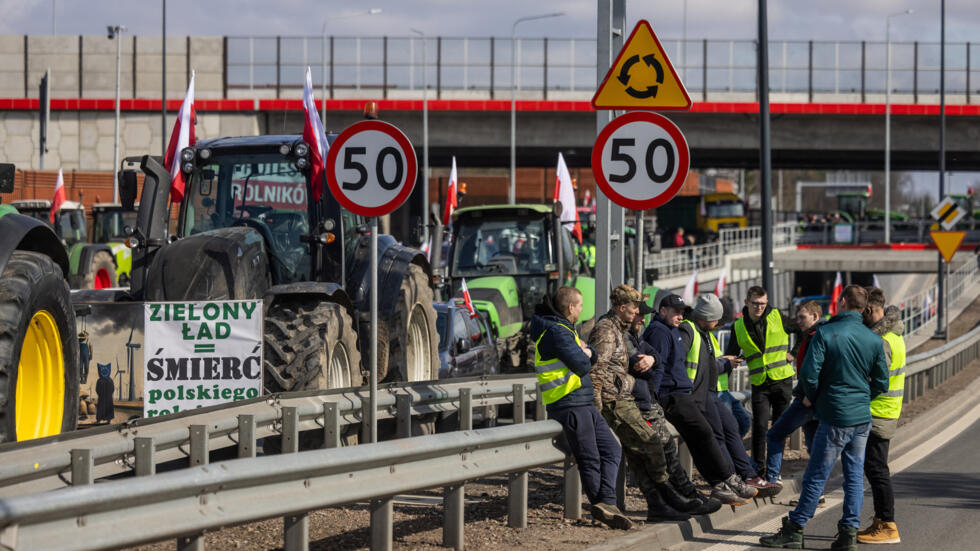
[[708, 308]]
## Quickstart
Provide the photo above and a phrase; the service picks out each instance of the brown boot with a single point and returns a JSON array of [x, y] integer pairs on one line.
[[884, 532], [871, 528]]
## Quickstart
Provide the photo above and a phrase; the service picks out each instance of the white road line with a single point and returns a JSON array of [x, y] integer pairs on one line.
[[749, 539]]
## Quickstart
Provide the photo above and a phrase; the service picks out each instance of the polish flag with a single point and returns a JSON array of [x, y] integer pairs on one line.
[[451, 199], [587, 202], [565, 194], [875, 282], [59, 195], [467, 301], [314, 135], [426, 250], [720, 284], [181, 137], [835, 295], [691, 289]]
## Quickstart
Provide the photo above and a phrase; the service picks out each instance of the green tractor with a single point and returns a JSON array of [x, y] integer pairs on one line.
[[39, 362], [91, 266], [109, 223], [853, 207]]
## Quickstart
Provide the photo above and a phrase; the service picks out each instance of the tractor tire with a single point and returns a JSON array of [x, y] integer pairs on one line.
[[101, 273], [38, 350], [413, 342], [309, 346]]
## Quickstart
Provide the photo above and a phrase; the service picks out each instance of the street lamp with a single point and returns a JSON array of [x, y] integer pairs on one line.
[[323, 58], [114, 32], [513, 87], [425, 138], [888, 122]]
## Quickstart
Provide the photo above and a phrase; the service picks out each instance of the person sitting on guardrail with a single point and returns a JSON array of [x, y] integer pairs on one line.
[[704, 361], [614, 386], [563, 363], [844, 369], [885, 410], [673, 387]]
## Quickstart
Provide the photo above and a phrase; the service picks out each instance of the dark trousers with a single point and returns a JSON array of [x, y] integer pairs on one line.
[[683, 412], [641, 445], [769, 398], [595, 450], [679, 478], [726, 434], [876, 469]]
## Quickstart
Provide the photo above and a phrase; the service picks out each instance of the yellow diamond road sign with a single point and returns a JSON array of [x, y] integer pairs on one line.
[[948, 213], [642, 77]]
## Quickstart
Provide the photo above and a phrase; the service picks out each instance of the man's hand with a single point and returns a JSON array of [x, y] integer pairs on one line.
[[587, 350], [732, 359], [806, 402], [644, 363], [790, 358]]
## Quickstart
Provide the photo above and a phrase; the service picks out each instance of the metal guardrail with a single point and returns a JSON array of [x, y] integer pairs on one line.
[[920, 308], [915, 231], [709, 256]]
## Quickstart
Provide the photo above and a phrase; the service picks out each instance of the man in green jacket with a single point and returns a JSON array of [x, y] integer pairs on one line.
[[843, 370]]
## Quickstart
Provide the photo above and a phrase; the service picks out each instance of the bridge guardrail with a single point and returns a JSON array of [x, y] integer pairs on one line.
[[709, 256]]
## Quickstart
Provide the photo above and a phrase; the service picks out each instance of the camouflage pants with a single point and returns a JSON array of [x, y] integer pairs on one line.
[[658, 422], [641, 445]]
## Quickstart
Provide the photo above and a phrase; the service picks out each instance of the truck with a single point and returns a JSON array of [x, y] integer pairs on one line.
[[703, 216], [39, 348]]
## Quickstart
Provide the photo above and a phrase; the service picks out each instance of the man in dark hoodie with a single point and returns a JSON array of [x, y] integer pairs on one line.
[[562, 363]]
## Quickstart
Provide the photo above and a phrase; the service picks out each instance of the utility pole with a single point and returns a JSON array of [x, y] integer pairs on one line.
[[941, 325], [765, 159]]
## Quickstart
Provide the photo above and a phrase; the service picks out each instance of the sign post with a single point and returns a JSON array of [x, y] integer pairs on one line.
[[947, 213], [371, 170]]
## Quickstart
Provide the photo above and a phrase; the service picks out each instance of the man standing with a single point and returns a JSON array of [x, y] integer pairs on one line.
[[885, 410], [762, 335], [843, 371], [562, 363], [614, 387], [673, 386]]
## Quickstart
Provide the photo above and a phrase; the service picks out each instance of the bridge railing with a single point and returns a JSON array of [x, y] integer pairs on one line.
[[843, 233], [920, 308], [710, 256]]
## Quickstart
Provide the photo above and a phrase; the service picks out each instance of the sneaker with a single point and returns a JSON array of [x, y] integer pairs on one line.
[[611, 516], [740, 488], [822, 502], [880, 532], [725, 495], [708, 505], [765, 488], [790, 536]]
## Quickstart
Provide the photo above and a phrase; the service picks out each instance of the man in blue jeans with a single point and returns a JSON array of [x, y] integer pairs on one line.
[[843, 370]]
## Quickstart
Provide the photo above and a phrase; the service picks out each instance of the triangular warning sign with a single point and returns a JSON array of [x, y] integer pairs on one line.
[[642, 77], [947, 242]]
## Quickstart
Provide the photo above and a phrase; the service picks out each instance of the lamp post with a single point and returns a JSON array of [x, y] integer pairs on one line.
[[114, 32], [323, 59], [888, 122], [425, 138], [512, 192]]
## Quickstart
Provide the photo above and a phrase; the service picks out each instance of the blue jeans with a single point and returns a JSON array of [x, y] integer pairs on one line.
[[829, 443], [742, 416], [796, 415]]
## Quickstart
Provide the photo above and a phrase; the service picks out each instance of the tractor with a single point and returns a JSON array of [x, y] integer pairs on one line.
[[108, 222], [92, 266], [39, 362]]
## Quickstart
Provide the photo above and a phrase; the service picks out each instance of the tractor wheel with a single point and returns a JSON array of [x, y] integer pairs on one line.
[[309, 346], [412, 338], [38, 350], [101, 273]]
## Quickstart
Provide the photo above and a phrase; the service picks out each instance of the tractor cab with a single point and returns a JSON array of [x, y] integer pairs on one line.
[[69, 222], [109, 221]]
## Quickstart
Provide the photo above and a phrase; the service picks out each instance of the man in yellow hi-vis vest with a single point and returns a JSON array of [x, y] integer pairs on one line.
[[761, 335], [885, 409], [562, 363]]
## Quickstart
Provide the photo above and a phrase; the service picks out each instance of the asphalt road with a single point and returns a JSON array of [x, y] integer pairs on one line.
[[937, 503]]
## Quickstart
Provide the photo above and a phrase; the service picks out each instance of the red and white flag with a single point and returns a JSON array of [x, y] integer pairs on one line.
[[720, 284], [587, 202], [314, 135], [565, 194], [875, 282], [59, 195], [835, 295], [467, 301], [181, 137], [691, 289], [452, 201]]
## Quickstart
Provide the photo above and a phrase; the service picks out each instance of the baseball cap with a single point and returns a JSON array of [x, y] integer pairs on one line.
[[672, 301]]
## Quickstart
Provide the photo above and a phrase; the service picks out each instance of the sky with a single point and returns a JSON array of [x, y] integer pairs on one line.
[[713, 19]]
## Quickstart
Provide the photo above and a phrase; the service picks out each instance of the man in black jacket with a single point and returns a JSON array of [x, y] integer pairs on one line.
[[562, 362]]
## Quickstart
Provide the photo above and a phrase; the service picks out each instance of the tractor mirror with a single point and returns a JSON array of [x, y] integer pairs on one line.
[[127, 188], [207, 176], [7, 172]]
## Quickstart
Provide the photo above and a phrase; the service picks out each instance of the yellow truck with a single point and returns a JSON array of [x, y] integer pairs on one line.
[[702, 216]]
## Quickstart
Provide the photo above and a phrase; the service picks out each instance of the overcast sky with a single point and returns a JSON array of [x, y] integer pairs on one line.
[[716, 19]]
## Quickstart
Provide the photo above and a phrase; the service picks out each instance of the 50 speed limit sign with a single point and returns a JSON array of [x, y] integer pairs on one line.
[[640, 160], [371, 168]]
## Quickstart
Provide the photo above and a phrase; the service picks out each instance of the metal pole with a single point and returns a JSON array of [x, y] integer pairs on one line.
[[373, 395], [163, 84], [323, 75], [765, 160], [425, 136], [617, 226], [941, 286], [115, 138], [602, 253], [888, 129], [638, 281]]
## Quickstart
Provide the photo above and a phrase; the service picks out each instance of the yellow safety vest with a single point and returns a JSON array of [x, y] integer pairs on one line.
[[889, 404], [772, 362], [694, 353], [555, 380]]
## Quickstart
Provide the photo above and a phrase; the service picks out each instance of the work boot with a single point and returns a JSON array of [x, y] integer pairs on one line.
[[790, 536], [708, 505], [846, 539], [870, 529], [611, 516], [659, 511], [740, 488], [724, 494], [880, 532], [676, 500]]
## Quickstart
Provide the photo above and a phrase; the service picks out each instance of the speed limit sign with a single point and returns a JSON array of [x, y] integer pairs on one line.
[[640, 160], [371, 168]]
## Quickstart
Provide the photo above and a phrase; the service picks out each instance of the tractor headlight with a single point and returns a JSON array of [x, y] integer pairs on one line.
[[301, 149], [188, 168], [302, 163], [187, 155], [284, 149], [204, 154]]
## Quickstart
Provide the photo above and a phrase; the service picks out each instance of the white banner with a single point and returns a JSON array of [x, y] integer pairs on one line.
[[201, 354]]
